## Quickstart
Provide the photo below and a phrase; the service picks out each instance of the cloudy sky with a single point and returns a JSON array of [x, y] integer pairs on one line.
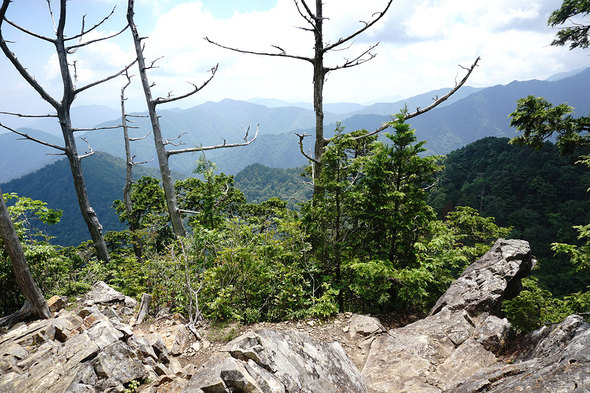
[[422, 45]]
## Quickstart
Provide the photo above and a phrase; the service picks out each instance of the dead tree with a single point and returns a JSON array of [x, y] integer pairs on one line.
[[130, 163], [35, 305], [64, 46], [315, 24], [160, 142]]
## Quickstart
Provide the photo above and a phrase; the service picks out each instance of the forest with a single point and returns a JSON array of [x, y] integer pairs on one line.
[[372, 225]]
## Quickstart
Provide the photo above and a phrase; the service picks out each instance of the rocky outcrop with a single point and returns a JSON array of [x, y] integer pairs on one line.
[[462, 334], [278, 362], [556, 359], [463, 345], [91, 350], [459, 346]]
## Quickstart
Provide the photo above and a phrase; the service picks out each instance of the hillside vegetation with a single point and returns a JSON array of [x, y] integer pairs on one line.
[[373, 244]]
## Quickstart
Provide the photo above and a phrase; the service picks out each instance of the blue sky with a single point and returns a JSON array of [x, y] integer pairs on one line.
[[422, 45]]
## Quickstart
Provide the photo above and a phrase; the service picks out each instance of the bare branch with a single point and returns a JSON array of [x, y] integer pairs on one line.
[[27, 136], [39, 36], [360, 59], [360, 31], [184, 211], [196, 89], [204, 148], [280, 54], [23, 115], [139, 138], [446, 96], [309, 18], [51, 15], [89, 152], [170, 141], [73, 48], [108, 78], [97, 128], [152, 64], [301, 137], [83, 32], [436, 103], [141, 162]]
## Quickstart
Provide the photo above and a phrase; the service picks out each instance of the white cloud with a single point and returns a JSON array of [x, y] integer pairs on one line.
[[422, 44]]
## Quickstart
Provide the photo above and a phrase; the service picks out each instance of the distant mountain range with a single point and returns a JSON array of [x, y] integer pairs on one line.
[[470, 114], [53, 184]]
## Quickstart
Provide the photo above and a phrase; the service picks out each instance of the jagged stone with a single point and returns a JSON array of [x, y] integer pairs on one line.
[[119, 363], [56, 303], [460, 336], [291, 359], [363, 325], [101, 293], [558, 360], [485, 283]]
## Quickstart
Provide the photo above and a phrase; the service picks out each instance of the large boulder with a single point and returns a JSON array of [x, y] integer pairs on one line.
[[462, 334], [556, 359], [270, 361]]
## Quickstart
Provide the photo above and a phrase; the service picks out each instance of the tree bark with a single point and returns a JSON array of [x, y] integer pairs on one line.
[[319, 77], [171, 202], [35, 305], [64, 116], [133, 225]]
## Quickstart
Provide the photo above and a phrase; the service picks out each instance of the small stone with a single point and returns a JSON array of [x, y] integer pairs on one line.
[[56, 303]]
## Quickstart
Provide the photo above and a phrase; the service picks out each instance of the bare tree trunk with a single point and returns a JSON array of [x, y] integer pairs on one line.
[[171, 202], [63, 114], [35, 305], [319, 77], [133, 225], [88, 213], [63, 107]]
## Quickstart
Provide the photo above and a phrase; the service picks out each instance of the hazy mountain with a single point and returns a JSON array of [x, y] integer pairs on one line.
[[470, 114], [19, 157], [83, 116], [208, 124], [563, 75], [421, 100], [337, 108], [53, 184], [483, 113]]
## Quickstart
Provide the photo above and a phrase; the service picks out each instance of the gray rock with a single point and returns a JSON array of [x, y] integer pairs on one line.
[[272, 361], [485, 283], [119, 363], [460, 336], [558, 361], [363, 326], [101, 293]]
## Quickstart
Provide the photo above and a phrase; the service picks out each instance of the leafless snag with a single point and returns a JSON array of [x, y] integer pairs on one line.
[[63, 105], [314, 21], [160, 143], [437, 101], [130, 163]]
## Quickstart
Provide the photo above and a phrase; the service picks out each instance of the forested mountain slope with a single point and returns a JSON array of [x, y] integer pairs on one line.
[[539, 192], [19, 157], [105, 179]]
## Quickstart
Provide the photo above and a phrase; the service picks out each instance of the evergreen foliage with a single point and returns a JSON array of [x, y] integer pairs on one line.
[[540, 193]]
